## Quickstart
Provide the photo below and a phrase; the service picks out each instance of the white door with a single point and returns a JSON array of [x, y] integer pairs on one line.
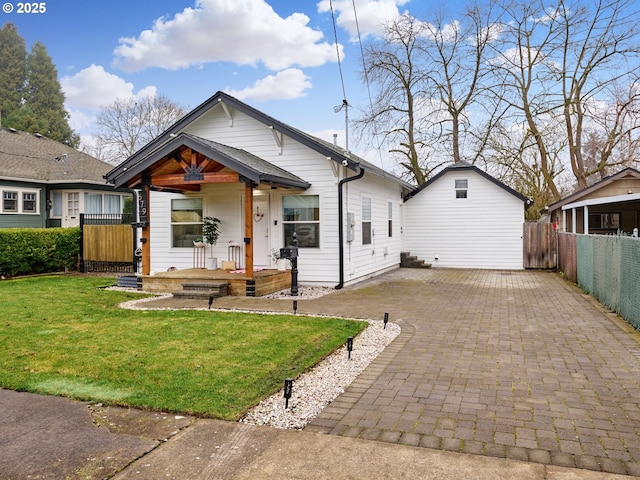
[[261, 242], [71, 209]]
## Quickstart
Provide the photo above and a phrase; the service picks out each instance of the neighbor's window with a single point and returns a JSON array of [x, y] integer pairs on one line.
[[92, 203], [461, 188], [56, 209], [186, 221], [29, 202], [390, 225], [604, 221], [10, 201], [112, 203], [301, 214], [366, 221]]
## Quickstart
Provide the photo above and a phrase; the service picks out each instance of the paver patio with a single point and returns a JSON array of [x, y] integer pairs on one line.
[[519, 365]]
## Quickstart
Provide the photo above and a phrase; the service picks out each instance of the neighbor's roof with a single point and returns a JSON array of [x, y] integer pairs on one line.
[[122, 172], [463, 166], [574, 197], [31, 157]]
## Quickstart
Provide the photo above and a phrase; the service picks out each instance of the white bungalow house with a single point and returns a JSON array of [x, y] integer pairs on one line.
[[263, 180], [465, 218]]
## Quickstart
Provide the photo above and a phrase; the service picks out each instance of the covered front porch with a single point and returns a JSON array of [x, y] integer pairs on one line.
[[261, 282]]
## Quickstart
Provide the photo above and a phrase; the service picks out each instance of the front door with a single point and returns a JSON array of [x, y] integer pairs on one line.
[[261, 242], [71, 209]]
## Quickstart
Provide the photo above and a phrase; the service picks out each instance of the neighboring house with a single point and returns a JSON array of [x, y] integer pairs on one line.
[[606, 207], [465, 218], [44, 183], [264, 180]]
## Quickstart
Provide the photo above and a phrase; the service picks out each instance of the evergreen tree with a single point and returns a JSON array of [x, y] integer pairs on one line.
[[13, 71], [31, 97], [44, 97]]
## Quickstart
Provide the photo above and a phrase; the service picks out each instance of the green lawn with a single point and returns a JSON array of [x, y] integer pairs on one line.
[[64, 335]]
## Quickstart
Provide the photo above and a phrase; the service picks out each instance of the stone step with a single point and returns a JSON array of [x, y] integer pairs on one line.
[[411, 261], [202, 290], [130, 281]]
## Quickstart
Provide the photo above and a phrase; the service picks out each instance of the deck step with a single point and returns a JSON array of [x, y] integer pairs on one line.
[[201, 290], [130, 281], [411, 261]]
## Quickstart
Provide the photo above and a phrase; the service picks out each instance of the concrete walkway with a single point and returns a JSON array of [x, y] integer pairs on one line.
[[495, 375]]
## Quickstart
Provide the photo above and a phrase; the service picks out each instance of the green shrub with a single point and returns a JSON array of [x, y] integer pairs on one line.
[[38, 250]]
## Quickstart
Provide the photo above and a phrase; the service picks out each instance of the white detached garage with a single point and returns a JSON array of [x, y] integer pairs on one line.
[[465, 218]]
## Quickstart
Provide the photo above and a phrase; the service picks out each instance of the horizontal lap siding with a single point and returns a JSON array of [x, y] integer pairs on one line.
[[482, 231]]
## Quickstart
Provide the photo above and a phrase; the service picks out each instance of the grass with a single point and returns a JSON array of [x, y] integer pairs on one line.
[[66, 336]]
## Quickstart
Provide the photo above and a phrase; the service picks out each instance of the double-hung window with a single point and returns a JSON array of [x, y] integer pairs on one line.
[[461, 186], [10, 201], [301, 214], [366, 221], [186, 221]]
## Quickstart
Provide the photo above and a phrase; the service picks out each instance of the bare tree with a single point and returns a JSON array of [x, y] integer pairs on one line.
[[432, 104], [395, 66], [128, 124]]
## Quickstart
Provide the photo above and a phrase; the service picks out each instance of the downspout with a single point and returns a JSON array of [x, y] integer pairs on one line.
[[341, 223]]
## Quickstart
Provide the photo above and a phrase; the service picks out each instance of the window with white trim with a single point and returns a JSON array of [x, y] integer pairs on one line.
[[366, 220], [461, 186], [20, 201], [301, 214], [186, 221]]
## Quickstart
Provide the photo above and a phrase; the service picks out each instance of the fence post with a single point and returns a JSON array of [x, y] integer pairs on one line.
[[81, 266]]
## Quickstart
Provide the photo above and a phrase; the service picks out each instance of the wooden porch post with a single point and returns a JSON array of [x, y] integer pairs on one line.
[[248, 228], [146, 230]]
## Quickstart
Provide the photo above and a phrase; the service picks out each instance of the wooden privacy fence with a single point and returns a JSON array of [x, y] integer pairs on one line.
[[539, 245], [107, 244]]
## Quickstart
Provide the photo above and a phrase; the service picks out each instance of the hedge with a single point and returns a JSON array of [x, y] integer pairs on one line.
[[26, 251]]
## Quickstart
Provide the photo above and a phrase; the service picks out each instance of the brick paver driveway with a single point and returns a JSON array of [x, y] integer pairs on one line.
[[508, 364]]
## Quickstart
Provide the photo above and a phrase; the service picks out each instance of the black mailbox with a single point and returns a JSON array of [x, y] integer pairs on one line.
[[289, 252]]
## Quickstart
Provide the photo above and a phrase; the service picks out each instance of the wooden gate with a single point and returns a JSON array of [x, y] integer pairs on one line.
[[107, 244], [539, 245]]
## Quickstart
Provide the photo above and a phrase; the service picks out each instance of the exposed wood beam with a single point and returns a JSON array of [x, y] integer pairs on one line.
[[208, 177], [248, 229]]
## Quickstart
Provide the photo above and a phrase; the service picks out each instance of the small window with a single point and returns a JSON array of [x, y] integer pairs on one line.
[[461, 188], [29, 202], [10, 201], [186, 221], [366, 221], [56, 209], [390, 225]]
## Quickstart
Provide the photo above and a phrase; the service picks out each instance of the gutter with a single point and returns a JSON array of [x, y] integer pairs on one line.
[[341, 223]]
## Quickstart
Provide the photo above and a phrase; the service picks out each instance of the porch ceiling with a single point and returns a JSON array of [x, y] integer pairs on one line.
[[187, 161]]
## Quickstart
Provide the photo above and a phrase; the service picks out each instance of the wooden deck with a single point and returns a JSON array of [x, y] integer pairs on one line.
[[262, 283]]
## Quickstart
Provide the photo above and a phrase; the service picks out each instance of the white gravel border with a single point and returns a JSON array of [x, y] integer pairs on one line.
[[313, 390]]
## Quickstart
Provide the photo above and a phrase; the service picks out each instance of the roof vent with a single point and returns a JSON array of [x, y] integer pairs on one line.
[[39, 135], [13, 130]]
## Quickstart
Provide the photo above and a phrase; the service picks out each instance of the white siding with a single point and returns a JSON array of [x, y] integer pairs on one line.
[[316, 265], [481, 231]]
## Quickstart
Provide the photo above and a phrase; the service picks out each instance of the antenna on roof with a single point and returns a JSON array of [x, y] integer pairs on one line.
[[63, 158], [336, 109]]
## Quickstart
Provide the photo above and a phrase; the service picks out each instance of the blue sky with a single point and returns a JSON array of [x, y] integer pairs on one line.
[[277, 55]]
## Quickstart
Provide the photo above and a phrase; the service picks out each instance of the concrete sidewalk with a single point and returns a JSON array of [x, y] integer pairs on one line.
[[57, 438], [495, 375]]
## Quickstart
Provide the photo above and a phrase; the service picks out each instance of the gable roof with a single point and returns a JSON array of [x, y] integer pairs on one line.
[[31, 157], [627, 172], [224, 100], [244, 163], [461, 167]]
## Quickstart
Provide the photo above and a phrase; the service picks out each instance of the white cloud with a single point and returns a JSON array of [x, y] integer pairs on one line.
[[94, 87], [372, 15], [245, 32], [285, 85]]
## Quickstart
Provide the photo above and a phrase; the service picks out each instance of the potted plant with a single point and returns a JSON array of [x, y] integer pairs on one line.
[[211, 232], [198, 243]]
